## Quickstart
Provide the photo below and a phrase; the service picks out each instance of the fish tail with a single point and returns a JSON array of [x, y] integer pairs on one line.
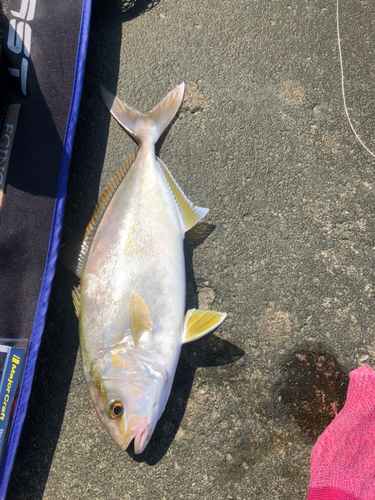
[[144, 126]]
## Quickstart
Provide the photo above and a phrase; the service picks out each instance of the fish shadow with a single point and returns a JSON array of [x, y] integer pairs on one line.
[[210, 350], [193, 238], [47, 404]]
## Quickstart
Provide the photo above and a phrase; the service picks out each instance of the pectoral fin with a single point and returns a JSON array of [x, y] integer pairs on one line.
[[198, 323], [191, 214], [140, 317]]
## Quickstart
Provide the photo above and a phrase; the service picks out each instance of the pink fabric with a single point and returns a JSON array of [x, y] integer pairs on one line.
[[343, 458], [329, 494]]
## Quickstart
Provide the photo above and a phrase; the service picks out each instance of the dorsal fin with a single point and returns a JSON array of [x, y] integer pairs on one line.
[[76, 294], [190, 213], [140, 317], [74, 255], [69, 252]]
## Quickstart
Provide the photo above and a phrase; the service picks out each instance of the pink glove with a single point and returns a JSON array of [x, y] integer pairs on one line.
[[343, 458]]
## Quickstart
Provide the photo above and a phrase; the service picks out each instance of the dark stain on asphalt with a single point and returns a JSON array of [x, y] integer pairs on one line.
[[313, 389]]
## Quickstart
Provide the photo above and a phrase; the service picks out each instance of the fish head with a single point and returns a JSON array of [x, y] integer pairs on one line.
[[128, 390]]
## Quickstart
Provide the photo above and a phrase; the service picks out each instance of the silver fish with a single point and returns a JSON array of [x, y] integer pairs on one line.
[[131, 299]]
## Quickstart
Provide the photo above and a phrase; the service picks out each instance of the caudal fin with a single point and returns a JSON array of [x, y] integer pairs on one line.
[[150, 125]]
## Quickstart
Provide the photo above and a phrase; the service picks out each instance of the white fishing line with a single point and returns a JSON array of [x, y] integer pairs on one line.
[[343, 87]]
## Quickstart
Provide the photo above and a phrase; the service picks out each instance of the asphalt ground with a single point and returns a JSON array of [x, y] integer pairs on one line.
[[287, 249]]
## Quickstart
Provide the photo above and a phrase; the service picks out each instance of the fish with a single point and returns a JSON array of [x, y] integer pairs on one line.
[[132, 294]]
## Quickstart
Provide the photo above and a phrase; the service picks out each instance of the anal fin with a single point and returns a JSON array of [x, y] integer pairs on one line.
[[198, 323], [191, 214]]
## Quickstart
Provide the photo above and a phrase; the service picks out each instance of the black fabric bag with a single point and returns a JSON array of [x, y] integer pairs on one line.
[[43, 47]]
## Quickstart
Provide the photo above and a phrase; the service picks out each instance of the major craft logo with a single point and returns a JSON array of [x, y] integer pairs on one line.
[[19, 39], [9, 383]]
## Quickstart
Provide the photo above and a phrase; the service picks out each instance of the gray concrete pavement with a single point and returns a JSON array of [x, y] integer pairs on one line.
[[287, 248]]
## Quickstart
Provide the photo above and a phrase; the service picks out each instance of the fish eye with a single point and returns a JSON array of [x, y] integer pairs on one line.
[[114, 408]]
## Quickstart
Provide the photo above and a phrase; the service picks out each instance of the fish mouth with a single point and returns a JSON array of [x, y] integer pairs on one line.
[[141, 440], [136, 429]]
